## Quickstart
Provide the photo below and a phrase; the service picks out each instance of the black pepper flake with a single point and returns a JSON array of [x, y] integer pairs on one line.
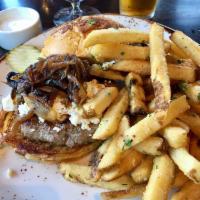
[[122, 53]]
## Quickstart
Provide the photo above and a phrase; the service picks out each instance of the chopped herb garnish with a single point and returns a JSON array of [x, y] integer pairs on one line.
[[122, 53], [70, 176], [198, 97], [127, 143], [156, 166], [183, 86], [108, 93], [91, 22]]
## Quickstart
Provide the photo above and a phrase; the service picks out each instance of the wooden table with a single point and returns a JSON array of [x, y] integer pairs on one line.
[[177, 14]]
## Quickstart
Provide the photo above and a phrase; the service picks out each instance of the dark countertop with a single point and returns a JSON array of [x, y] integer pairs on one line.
[[177, 14]]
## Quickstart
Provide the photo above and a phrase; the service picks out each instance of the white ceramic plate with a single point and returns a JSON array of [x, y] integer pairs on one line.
[[35, 181]]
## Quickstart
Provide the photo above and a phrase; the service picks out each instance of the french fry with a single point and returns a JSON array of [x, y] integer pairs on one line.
[[187, 45], [189, 191], [121, 35], [189, 165], [136, 94], [177, 107], [141, 67], [98, 104], [110, 120], [92, 88], [113, 152], [142, 172], [96, 70], [82, 174], [180, 179], [96, 158], [174, 50], [151, 146], [110, 51], [159, 70], [183, 71], [135, 191], [175, 135], [192, 120], [195, 147], [128, 161], [192, 91], [161, 179], [152, 123]]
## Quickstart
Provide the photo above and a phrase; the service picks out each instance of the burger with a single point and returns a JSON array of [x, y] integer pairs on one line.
[[43, 118]]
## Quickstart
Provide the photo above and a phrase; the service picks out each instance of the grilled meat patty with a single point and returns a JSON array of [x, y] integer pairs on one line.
[[58, 133]]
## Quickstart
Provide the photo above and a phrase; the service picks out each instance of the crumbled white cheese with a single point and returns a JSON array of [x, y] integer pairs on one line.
[[10, 173], [7, 104], [107, 65], [57, 129], [76, 118], [23, 109], [32, 130], [41, 119]]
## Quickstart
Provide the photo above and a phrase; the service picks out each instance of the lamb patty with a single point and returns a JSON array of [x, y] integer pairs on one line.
[[60, 134]]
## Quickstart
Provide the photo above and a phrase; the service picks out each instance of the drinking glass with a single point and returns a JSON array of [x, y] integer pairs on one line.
[[73, 12], [138, 8]]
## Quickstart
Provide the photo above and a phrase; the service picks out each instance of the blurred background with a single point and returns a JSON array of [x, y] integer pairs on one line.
[[177, 14]]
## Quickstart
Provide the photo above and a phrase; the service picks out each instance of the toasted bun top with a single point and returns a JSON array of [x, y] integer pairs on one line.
[[68, 37]]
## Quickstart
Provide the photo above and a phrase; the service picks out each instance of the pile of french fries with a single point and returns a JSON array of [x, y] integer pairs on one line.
[[150, 140]]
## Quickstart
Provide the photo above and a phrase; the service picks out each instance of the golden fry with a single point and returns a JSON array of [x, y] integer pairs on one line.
[[142, 172], [174, 50], [183, 71], [98, 104], [129, 160], [175, 135], [187, 45], [151, 146], [136, 94], [161, 179], [110, 120], [121, 35], [113, 153], [82, 174], [152, 123], [96, 70], [159, 70], [103, 52], [189, 165]]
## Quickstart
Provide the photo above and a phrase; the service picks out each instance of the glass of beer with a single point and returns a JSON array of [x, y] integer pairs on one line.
[[138, 8]]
